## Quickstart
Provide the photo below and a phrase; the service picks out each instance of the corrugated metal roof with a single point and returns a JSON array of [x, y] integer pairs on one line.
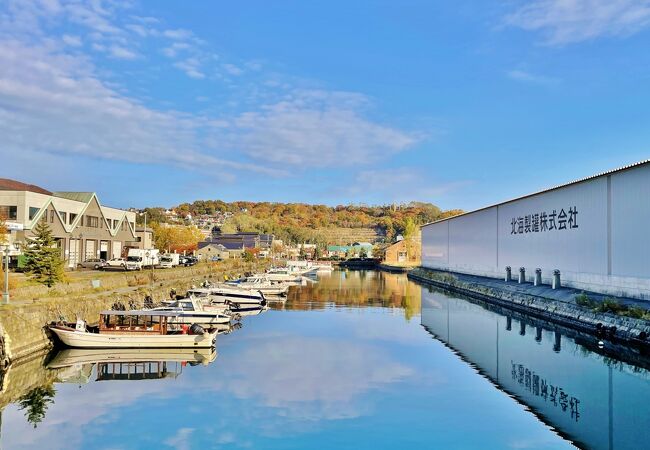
[[76, 196], [580, 180]]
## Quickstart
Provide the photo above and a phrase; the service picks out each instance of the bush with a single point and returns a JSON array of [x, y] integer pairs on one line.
[[610, 305], [583, 299]]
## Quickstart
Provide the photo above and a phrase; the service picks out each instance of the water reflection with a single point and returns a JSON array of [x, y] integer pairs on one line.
[[358, 288], [350, 373], [593, 399]]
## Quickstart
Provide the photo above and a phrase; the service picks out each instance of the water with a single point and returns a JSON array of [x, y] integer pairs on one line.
[[361, 360]]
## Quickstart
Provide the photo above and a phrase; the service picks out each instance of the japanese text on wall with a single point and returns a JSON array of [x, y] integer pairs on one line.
[[545, 221]]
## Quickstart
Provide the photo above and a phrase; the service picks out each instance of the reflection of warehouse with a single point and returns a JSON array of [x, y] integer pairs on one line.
[[83, 228], [594, 231]]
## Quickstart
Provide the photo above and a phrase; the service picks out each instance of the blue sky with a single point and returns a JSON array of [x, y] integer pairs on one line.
[[458, 103]]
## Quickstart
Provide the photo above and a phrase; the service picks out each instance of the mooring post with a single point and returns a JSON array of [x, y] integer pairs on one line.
[[508, 274], [522, 275], [538, 277], [556, 279]]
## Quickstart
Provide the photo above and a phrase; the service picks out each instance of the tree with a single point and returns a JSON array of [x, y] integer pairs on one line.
[[36, 402], [3, 230], [43, 257], [176, 238], [250, 254], [363, 253]]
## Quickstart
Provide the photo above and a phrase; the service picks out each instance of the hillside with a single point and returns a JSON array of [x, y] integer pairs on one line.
[[300, 222]]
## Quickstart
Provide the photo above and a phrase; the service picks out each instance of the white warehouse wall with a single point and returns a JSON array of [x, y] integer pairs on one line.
[[600, 241]]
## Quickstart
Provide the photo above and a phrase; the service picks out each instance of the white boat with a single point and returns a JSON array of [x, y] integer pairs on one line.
[[230, 295], [191, 310], [133, 329], [262, 284], [285, 275]]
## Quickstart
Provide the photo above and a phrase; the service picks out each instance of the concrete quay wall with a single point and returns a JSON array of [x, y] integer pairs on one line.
[[607, 326]]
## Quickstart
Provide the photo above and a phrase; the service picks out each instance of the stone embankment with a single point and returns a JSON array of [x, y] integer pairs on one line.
[[23, 331], [604, 325]]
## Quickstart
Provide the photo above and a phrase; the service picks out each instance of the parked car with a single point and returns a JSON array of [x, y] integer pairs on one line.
[[116, 262], [190, 261], [92, 263]]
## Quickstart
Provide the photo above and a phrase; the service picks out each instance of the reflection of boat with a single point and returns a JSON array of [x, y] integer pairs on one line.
[[75, 356], [133, 329]]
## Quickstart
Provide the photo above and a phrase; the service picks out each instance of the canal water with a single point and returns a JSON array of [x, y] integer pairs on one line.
[[360, 360]]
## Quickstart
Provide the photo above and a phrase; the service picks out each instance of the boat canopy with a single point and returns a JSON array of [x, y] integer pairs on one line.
[[140, 313]]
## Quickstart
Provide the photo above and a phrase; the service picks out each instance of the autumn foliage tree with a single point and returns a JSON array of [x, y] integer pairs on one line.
[[176, 238]]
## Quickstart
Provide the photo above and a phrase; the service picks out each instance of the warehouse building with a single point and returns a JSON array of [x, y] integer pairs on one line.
[[82, 227], [594, 231]]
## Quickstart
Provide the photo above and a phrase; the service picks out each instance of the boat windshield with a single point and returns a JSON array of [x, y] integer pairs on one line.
[[198, 293]]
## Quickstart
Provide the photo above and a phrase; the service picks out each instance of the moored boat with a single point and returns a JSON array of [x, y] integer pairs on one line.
[[190, 310], [229, 295], [134, 329]]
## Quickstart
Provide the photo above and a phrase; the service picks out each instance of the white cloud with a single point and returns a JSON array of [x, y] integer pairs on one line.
[[527, 77], [316, 129], [568, 21], [180, 440], [395, 184], [191, 67], [178, 34], [232, 69], [54, 100], [72, 41], [173, 50], [54, 103], [122, 53]]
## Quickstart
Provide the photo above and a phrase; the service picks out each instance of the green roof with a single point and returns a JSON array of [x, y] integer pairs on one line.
[[76, 196]]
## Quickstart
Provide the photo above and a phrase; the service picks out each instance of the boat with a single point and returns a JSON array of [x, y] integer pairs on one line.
[[190, 310], [283, 274], [134, 329], [262, 284], [235, 297]]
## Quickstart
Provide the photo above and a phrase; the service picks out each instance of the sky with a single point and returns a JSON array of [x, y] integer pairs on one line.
[[461, 104]]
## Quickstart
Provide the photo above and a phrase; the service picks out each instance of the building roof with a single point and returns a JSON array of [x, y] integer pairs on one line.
[[76, 196], [204, 244], [12, 185], [543, 191]]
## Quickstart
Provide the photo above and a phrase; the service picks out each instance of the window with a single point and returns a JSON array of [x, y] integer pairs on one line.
[[64, 216], [9, 212], [92, 221], [72, 218], [51, 216], [32, 212]]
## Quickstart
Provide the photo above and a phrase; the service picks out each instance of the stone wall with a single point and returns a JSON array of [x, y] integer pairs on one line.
[[23, 329]]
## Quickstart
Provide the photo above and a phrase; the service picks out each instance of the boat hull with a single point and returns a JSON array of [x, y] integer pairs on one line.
[[84, 339]]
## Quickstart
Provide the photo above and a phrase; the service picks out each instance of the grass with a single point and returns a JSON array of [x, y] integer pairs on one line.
[[610, 305]]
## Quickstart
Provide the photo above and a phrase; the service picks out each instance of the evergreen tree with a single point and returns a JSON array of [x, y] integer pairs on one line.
[[36, 402], [43, 258]]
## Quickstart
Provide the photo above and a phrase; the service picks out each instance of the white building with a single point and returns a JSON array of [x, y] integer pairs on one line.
[[83, 228], [595, 231]]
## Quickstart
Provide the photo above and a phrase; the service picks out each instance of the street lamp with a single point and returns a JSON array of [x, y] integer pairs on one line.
[[149, 255]]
